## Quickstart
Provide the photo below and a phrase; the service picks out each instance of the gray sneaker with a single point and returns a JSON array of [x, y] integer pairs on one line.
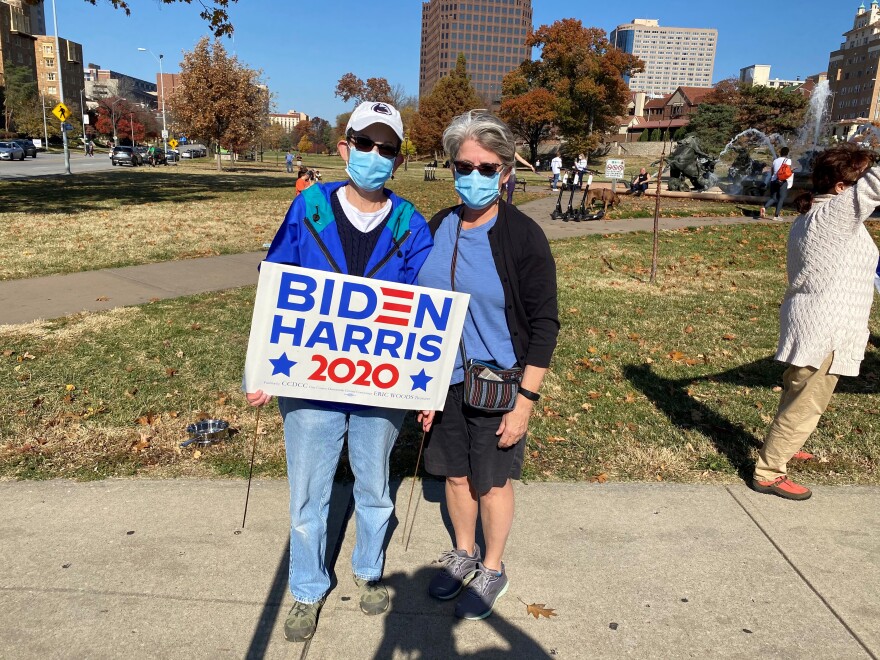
[[374, 596], [458, 569], [302, 620], [482, 593]]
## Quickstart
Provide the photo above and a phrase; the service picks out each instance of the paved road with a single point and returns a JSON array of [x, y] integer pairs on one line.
[[51, 164]]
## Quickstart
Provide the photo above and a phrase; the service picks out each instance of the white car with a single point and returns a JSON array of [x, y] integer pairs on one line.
[[11, 151]]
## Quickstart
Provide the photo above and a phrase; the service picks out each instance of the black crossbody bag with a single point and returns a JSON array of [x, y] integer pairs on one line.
[[487, 386]]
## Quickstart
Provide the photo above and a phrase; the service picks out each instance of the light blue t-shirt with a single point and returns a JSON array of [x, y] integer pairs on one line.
[[486, 335]]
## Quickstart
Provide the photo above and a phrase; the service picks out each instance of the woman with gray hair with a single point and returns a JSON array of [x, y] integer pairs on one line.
[[501, 257]]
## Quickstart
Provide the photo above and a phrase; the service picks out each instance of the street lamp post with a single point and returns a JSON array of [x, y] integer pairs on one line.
[[60, 87], [162, 94]]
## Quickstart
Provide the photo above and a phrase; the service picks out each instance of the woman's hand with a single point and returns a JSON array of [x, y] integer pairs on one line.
[[515, 423], [426, 418], [258, 398]]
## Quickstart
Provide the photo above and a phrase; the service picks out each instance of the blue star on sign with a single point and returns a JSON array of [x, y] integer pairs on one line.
[[420, 381], [282, 365]]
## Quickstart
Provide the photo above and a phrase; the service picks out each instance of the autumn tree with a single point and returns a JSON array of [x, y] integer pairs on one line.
[[22, 108], [321, 134], [339, 129], [215, 13], [305, 145], [724, 92], [714, 125], [586, 74], [301, 130], [528, 107], [219, 99], [350, 87], [110, 113], [451, 96]]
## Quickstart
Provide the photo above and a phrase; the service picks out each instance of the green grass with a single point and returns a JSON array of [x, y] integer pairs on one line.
[[673, 381], [133, 216]]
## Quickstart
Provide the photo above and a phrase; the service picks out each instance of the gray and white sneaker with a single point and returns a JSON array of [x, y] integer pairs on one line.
[[302, 620], [482, 593], [458, 569]]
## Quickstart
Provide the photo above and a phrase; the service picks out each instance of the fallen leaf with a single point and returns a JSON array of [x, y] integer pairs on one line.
[[155, 299], [27, 356], [599, 478], [8, 353], [675, 356], [538, 610], [555, 438], [586, 406], [197, 454], [729, 336], [69, 387], [147, 420], [102, 298], [689, 329], [170, 372], [572, 310], [593, 395], [592, 349], [629, 398], [195, 326]]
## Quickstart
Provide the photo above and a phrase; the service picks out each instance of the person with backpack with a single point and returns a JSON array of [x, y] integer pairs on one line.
[[356, 227], [781, 181]]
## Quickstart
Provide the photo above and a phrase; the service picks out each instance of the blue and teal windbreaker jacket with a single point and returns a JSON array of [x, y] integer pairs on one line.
[[308, 238]]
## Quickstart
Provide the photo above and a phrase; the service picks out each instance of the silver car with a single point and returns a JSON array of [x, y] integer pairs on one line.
[[11, 151]]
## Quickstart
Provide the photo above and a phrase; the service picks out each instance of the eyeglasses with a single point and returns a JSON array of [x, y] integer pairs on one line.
[[363, 143], [486, 169]]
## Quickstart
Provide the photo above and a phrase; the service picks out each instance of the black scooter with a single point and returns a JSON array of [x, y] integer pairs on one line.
[[568, 183], [583, 213]]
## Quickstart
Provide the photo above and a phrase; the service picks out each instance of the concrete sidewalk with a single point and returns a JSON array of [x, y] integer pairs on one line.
[[160, 569], [22, 301]]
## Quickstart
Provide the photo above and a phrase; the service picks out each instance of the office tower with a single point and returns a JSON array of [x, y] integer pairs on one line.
[[673, 56], [490, 33]]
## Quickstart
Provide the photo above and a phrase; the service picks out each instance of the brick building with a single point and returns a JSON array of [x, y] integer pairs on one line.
[[103, 83], [852, 69], [166, 83], [16, 40], [289, 120], [47, 60], [490, 33]]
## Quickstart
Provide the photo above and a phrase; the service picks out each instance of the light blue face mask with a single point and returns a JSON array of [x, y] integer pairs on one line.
[[368, 170], [477, 191]]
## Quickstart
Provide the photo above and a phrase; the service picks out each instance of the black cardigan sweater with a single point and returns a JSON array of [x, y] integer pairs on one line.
[[527, 272]]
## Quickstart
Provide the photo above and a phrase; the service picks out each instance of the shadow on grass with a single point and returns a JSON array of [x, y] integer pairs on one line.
[[126, 188], [730, 438]]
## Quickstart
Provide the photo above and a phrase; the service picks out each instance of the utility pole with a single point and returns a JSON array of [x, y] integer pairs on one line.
[[60, 87]]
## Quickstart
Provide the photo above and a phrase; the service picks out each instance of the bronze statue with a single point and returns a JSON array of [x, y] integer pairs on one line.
[[688, 160]]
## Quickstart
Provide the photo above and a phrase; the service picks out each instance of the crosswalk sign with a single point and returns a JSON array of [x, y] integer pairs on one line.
[[61, 112], [172, 143]]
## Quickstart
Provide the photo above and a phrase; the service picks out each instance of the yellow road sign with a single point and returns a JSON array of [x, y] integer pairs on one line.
[[61, 112], [172, 143]]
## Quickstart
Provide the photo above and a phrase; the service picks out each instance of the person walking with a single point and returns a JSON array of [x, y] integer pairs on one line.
[[555, 168], [501, 257], [824, 316], [288, 161], [781, 181], [354, 227]]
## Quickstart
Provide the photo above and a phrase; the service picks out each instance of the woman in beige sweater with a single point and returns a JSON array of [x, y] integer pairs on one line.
[[824, 316]]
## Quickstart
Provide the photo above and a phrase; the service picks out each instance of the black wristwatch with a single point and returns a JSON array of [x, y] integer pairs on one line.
[[531, 396]]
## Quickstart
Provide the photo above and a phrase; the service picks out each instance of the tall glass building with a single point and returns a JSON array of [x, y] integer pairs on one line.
[[490, 33]]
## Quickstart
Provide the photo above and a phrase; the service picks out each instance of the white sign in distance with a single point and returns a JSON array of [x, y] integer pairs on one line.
[[164, 134], [344, 339], [614, 168]]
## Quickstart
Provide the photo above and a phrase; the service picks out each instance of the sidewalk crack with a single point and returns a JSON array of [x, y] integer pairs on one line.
[[803, 577]]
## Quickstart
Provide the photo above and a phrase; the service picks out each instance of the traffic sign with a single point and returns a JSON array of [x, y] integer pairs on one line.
[[66, 127], [61, 112], [172, 143], [164, 134]]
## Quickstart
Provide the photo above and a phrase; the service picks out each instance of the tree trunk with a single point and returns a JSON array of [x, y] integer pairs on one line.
[[219, 166]]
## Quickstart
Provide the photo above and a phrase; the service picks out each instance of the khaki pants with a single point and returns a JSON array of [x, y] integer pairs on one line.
[[805, 395]]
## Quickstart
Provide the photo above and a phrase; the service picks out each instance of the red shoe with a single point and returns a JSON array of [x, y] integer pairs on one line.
[[784, 487], [803, 456]]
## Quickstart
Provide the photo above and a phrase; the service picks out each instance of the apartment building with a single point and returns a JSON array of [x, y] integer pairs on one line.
[[289, 120], [490, 33], [47, 57], [16, 40], [852, 69], [673, 56]]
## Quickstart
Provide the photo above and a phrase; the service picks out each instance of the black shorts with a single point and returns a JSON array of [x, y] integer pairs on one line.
[[462, 443]]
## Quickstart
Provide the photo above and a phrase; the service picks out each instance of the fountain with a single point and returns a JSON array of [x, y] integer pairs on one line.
[[817, 113]]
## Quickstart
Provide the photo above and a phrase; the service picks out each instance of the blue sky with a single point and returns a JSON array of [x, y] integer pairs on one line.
[[303, 47]]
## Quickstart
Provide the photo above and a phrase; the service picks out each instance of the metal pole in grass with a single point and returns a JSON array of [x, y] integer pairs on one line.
[[251, 472], [412, 488], [657, 211]]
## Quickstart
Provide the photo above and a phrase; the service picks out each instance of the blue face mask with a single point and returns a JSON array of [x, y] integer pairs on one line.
[[368, 170], [477, 191]]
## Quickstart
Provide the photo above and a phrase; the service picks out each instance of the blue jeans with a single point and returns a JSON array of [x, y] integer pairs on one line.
[[555, 179], [313, 438]]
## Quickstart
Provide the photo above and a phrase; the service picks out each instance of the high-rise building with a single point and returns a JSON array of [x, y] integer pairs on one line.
[[35, 15], [16, 40], [104, 83], [490, 33], [289, 120], [47, 59], [673, 56], [852, 69], [167, 84]]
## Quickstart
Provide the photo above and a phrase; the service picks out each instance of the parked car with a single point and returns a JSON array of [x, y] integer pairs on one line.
[[125, 156], [11, 151], [172, 155], [30, 149]]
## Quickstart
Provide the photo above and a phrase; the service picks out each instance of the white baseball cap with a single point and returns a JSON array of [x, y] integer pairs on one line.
[[372, 112]]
